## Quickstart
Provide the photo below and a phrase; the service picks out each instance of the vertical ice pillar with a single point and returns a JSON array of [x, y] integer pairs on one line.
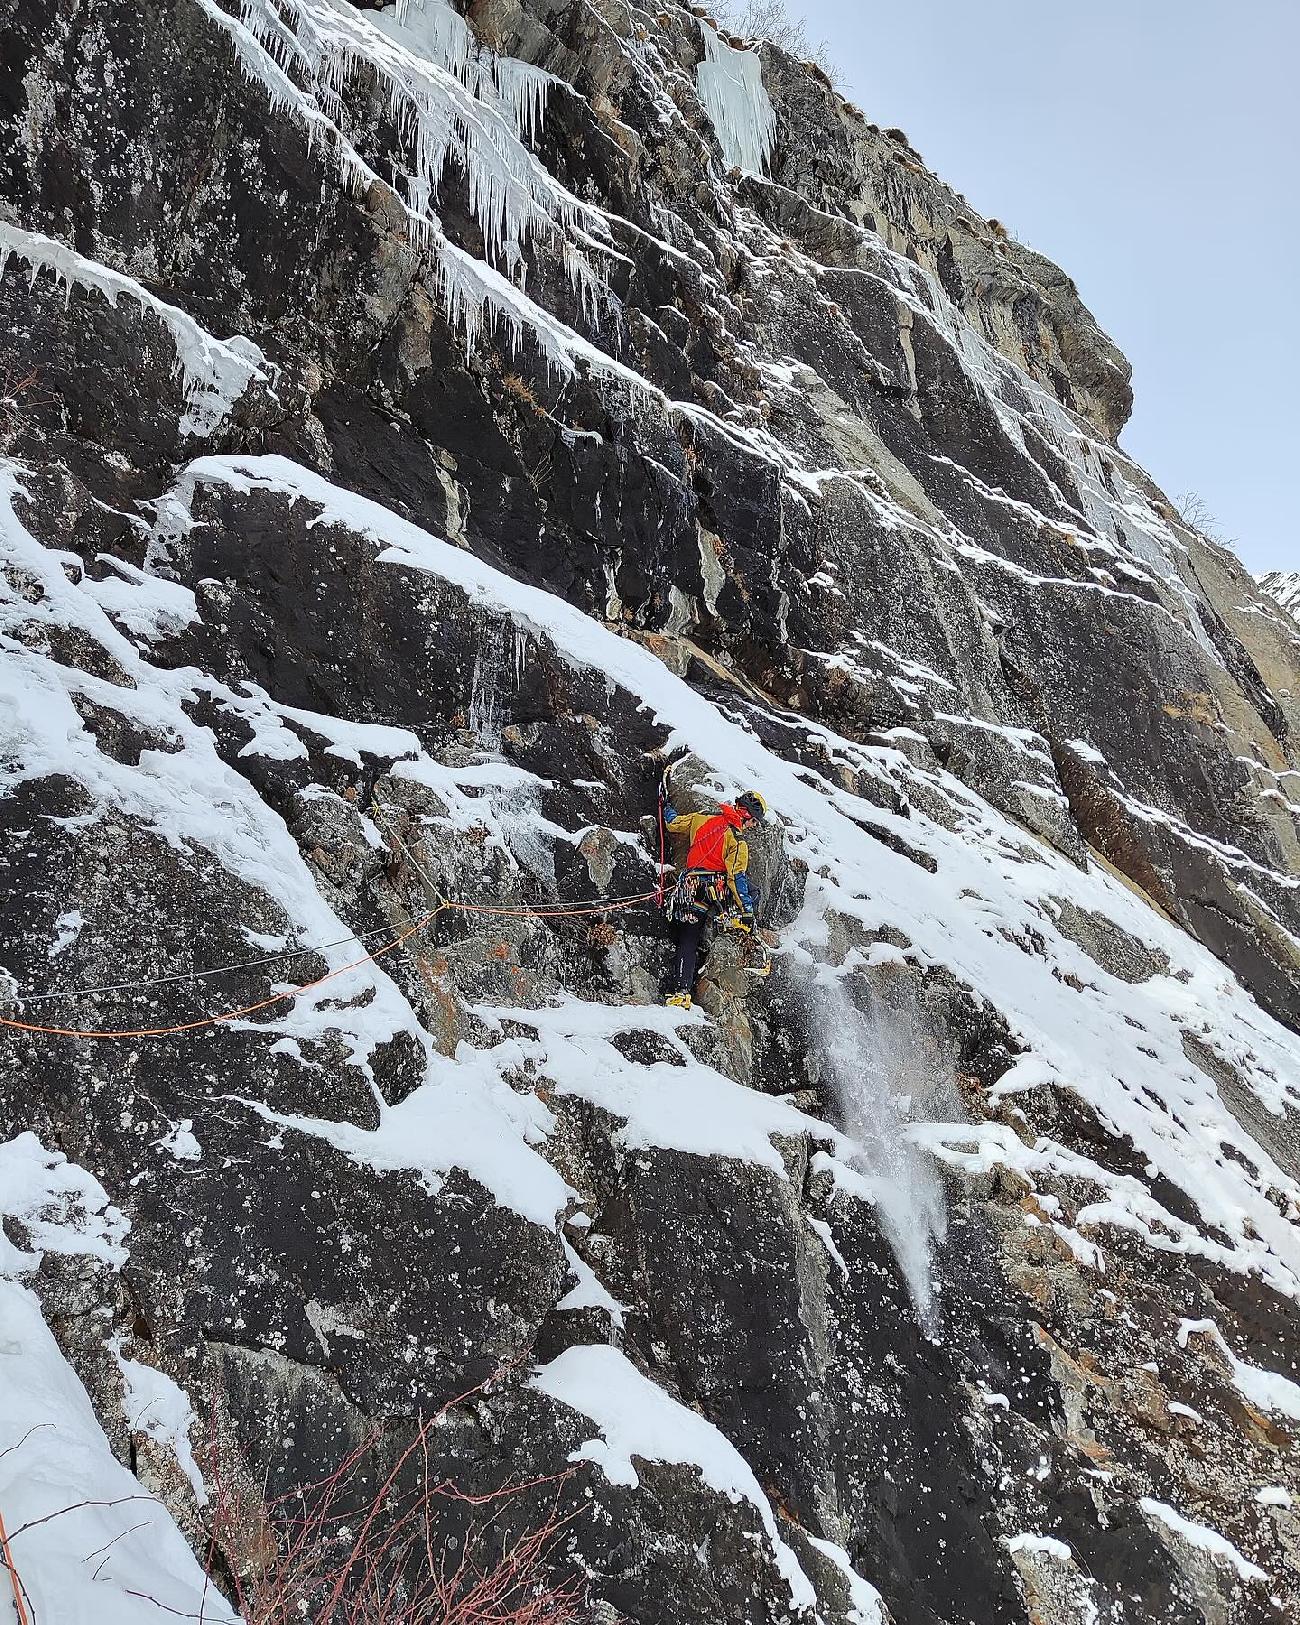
[[730, 84]]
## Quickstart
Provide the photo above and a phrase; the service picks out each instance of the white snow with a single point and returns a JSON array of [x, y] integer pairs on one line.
[[731, 90], [161, 1408], [587, 1292], [1022, 739], [464, 1115], [636, 1419], [866, 1606], [1268, 1390], [822, 1231], [1086, 752], [181, 1142], [61, 1208], [1273, 1495], [108, 1553], [106, 1537], [1126, 1204], [1202, 1537], [216, 372], [690, 1107], [68, 927], [1046, 1544], [142, 604]]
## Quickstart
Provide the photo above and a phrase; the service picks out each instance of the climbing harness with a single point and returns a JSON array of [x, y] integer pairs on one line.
[[701, 894], [698, 895]]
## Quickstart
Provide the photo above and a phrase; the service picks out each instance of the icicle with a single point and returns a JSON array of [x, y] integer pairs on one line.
[[730, 84], [434, 30], [453, 103], [483, 716], [214, 372]]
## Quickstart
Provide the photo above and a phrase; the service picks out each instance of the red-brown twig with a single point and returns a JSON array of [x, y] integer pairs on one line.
[[317, 1554]]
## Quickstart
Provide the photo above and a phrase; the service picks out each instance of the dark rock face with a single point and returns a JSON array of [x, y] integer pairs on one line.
[[945, 1275]]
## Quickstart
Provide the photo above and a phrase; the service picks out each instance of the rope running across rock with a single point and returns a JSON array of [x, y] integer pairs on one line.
[[604, 905]]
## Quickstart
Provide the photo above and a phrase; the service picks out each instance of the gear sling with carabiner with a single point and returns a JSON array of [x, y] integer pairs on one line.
[[698, 895], [696, 900]]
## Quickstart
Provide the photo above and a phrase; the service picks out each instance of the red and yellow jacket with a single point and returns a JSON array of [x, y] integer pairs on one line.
[[712, 843]]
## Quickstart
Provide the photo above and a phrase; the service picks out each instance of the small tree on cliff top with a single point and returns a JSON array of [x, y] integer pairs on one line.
[[773, 20]]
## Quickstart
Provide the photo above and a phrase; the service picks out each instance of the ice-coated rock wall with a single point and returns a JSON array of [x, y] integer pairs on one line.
[[417, 425]]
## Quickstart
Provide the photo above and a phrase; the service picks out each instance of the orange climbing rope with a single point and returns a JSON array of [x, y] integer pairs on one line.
[[14, 1581], [225, 1015], [606, 905]]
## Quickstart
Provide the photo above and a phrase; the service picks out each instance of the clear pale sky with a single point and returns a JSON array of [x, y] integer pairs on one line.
[[1151, 148]]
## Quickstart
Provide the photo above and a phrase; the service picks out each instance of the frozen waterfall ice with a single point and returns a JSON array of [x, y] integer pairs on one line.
[[731, 92]]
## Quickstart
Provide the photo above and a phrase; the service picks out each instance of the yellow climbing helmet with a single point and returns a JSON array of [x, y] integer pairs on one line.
[[754, 804]]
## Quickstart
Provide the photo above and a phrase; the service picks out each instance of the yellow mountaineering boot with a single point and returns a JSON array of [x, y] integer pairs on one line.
[[679, 1001]]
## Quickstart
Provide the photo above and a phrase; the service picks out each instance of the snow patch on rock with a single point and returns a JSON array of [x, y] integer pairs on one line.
[[1202, 1537], [215, 372], [91, 1545], [636, 1419], [1268, 1390], [161, 1408], [1283, 586]]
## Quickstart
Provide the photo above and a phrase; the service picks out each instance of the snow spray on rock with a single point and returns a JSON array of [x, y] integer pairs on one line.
[[883, 1068]]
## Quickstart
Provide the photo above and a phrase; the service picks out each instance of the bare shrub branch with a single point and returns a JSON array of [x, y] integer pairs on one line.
[[337, 1552], [20, 394], [773, 20], [418, 1550]]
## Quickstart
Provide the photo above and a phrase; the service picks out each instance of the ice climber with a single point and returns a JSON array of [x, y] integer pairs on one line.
[[713, 886]]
